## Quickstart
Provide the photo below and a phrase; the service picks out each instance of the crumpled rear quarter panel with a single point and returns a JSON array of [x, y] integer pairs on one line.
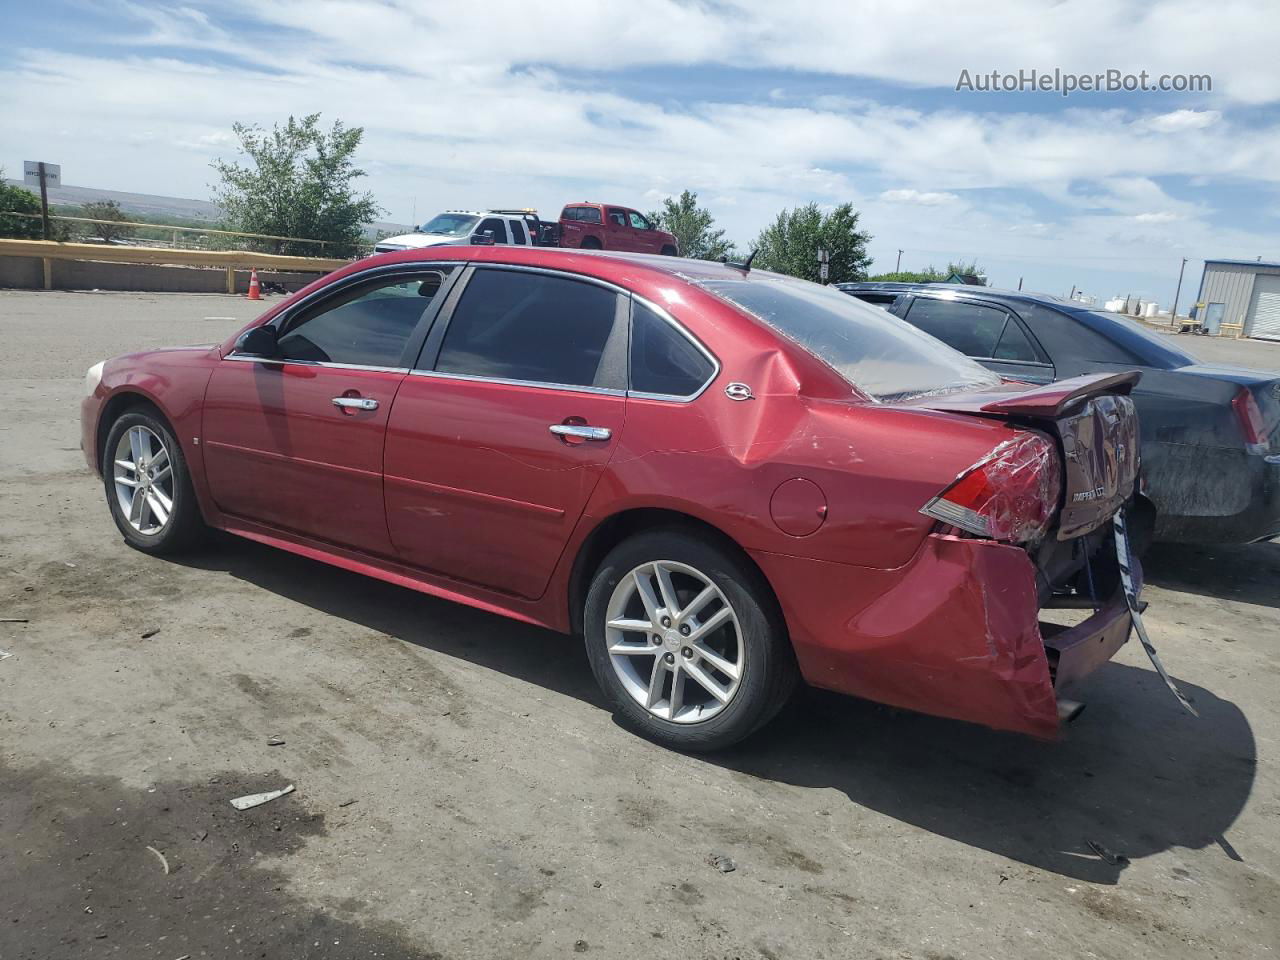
[[953, 632]]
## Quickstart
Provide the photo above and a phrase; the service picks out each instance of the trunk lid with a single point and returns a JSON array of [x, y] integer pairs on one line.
[[1264, 387], [1096, 428]]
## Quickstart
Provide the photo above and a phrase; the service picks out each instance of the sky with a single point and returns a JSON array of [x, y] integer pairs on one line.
[[755, 106]]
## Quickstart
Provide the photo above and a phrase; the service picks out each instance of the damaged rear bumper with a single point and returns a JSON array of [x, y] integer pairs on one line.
[[955, 632]]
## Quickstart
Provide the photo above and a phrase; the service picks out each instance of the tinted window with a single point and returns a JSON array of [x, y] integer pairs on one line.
[[617, 218], [1014, 345], [369, 325], [517, 231], [526, 326], [639, 222], [972, 329], [878, 299], [582, 214], [874, 350], [662, 359], [494, 227]]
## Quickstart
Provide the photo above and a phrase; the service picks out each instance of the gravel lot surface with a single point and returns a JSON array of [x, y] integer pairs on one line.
[[461, 792]]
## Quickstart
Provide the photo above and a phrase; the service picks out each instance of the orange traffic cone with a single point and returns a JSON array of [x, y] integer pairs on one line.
[[255, 289]]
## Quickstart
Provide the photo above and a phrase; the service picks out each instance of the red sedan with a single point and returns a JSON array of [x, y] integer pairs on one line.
[[725, 480]]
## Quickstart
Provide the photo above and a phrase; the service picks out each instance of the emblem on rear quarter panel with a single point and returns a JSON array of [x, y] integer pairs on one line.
[[738, 391]]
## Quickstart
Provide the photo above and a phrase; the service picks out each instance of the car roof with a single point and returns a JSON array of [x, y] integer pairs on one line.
[[603, 264], [1127, 333], [964, 289]]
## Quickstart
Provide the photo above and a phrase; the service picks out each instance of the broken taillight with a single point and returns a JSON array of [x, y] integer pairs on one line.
[[1011, 494], [1251, 422]]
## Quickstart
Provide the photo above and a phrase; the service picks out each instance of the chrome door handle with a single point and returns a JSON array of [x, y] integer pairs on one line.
[[356, 403], [580, 432]]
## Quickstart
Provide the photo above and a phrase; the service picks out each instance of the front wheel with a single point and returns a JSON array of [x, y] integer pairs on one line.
[[148, 486], [669, 251], [686, 640]]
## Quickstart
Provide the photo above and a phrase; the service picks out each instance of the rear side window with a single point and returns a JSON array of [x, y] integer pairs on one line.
[[581, 214], [617, 218], [368, 326], [1014, 345], [532, 327], [663, 360], [517, 231], [972, 329]]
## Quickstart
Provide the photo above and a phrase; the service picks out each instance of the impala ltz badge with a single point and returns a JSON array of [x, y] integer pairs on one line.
[[738, 391]]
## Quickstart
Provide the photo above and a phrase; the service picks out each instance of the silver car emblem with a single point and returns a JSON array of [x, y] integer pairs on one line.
[[738, 391]]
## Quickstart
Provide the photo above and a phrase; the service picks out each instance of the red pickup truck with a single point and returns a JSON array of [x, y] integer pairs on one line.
[[602, 226]]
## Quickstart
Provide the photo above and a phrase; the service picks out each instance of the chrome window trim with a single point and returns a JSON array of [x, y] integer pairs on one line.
[[608, 285], [537, 384], [278, 361]]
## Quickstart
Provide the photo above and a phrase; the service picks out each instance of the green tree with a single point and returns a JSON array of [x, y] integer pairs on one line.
[[14, 199], [928, 275], [693, 227], [105, 210], [970, 269], [298, 183], [791, 243]]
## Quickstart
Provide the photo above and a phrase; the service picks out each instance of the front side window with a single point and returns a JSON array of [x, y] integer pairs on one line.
[[513, 325], [450, 225], [663, 360], [367, 326], [492, 227], [639, 222], [881, 355]]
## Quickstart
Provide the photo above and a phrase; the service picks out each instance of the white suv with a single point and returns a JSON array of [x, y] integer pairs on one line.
[[456, 227]]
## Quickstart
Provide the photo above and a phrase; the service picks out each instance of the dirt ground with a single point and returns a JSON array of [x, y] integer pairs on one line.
[[461, 791]]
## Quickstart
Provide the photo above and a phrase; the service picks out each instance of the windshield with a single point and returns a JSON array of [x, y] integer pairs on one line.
[[879, 354], [450, 224]]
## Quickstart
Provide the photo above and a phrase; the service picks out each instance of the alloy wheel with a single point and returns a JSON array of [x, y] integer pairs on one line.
[[674, 641], [143, 479]]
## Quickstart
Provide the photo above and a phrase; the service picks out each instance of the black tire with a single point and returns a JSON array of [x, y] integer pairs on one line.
[[669, 251], [768, 675], [590, 243], [184, 526]]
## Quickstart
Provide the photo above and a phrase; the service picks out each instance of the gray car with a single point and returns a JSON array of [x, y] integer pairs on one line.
[[1210, 434]]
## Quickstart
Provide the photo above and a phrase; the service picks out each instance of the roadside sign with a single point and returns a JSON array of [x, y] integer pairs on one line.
[[31, 173]]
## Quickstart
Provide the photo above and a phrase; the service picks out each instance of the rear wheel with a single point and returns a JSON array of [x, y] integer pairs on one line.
[[148, 486], [590, 243], [686, 640]]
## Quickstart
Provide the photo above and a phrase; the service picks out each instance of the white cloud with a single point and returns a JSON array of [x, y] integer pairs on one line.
[[924, 198], [1180, 121], [484, 104]]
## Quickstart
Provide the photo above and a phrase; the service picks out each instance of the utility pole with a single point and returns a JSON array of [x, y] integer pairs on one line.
[[1173, 318], [1072, 295], [44, 201], [1019, 283], [898, 267]]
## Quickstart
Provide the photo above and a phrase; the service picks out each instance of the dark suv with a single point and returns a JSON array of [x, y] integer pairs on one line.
[[1210, 434]]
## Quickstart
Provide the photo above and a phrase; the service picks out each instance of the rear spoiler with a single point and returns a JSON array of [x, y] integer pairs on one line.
[[1054, 399]]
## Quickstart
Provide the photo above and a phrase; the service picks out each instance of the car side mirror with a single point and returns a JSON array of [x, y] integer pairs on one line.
[[261, 341]]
